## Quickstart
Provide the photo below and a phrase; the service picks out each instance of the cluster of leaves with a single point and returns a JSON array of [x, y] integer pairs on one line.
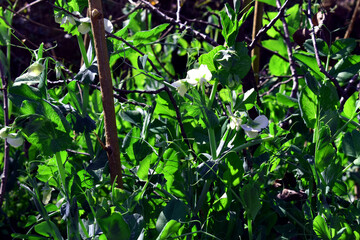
[[195, 165]]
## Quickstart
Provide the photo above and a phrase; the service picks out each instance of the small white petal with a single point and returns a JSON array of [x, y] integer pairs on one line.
[[247, 127], [84, 28], [14, 141], [58, 18], [108, 26], [252, 134], [4, 132], [262, 122], [235, 123], [35, 69], [206, 74], [85, 20], [180, 87]]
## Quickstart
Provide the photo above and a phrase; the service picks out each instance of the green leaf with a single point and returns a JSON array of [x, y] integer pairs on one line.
[[141, 150], [286, 100], [278, 66], [308, 107], [328, 98], [350, 144], [277, 45], [322, 46], [250, 198], [324, 156], [237, 5], [144, 37], [142, 61], [113, 226], [208, 58], [143, 171], [346, 68], [272, 2], [54, 114], [235, 170], [18, 94], [235, 63], [312, 83], [27, 236], [47, 229], [170, 228], [4, 35], [309, 61], [350, 106], [342, 48], [229, 24], [174, 210], [320, 228], [87, 75]]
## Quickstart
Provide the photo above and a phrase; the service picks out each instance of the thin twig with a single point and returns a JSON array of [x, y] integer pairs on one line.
[[76, 152], [28, 5], [161, 64], [126, 15], [317, 57], [62, 9], [275, 86], [295, 86], [182, 26], [271, 51], [178, 11], [352, 21], [268, 26], [5, 172], [178, 117], [349, 90], [196, 20], [122, 91], [290, 55], [134, 48]]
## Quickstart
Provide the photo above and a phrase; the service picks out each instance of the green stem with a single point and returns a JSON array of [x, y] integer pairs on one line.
[[212, 94], [202, 197], [212, 139], [83, 50], [250, 228], [61, 170]]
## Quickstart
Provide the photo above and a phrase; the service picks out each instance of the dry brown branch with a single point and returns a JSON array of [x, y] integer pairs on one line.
[[352, 21]]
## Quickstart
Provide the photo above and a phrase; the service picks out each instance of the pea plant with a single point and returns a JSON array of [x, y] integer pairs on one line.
[[256, 137]]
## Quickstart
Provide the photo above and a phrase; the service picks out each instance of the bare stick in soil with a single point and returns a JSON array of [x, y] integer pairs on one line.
[[107, 95]]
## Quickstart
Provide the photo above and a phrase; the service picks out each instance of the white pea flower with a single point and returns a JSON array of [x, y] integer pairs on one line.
[[14, 140], [194, 77], [84, 28], [35, 69], [180, 87], [253, 127], [108, 26], [4, 132], [235, 123], [68, 19], [199, 76]]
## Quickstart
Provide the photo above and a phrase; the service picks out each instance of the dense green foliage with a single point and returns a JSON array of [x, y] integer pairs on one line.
[[209, 159]]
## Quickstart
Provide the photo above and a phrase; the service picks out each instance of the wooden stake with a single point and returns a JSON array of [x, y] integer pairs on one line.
[[112, 144]]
